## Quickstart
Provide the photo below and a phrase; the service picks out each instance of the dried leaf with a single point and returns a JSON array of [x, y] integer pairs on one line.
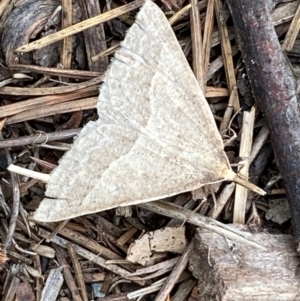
[[155, 137], [139, 251], [169, 239]]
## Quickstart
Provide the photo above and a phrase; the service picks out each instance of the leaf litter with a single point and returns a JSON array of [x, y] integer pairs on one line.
[[91, 235]]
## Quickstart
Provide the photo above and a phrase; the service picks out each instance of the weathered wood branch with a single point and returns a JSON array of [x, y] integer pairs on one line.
[[227, 270], [275, 89]]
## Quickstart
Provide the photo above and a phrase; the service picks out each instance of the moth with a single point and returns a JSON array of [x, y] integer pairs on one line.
[[155, 136]]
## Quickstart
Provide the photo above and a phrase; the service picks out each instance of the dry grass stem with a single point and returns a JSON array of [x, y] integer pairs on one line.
[[68, 277], [66, 52], [3, 6], [222, 200], [197, 44], [107, 52], [126, 236], [228, 112], [245, 152], [99, 260], [226, 51], [173, 211], [284, 13], [78, 272], [215, 92], [49, 91], [259, 142], [207, 36], [293, 31], [70, 73], [43, 101], [29, 173], [65, 107]]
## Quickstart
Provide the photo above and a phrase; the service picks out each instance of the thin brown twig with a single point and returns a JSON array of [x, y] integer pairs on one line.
[[175, 274], [40, 138], [15, 208], [67, 274], [78, 272]]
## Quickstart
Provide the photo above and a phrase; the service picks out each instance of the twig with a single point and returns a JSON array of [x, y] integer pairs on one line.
[[97, 259], [59, 226], [228, 112], [106, 52], [83, 240], [174, 211], [65, 107], [241, 193], [43, 101], [71, 73], [15, 208], [66, 52], [39, 281], [259, 142], [53, 285], [40, 138], [184, 290], [175, 274], [50, 91], [94, 37], [222, 200], [276, 95], [67, 274], [78, 272]]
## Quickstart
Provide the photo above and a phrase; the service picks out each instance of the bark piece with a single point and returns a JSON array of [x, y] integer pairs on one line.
[[25, 22], [169, 239], [227, 270], [94, 37], [53, 285]]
